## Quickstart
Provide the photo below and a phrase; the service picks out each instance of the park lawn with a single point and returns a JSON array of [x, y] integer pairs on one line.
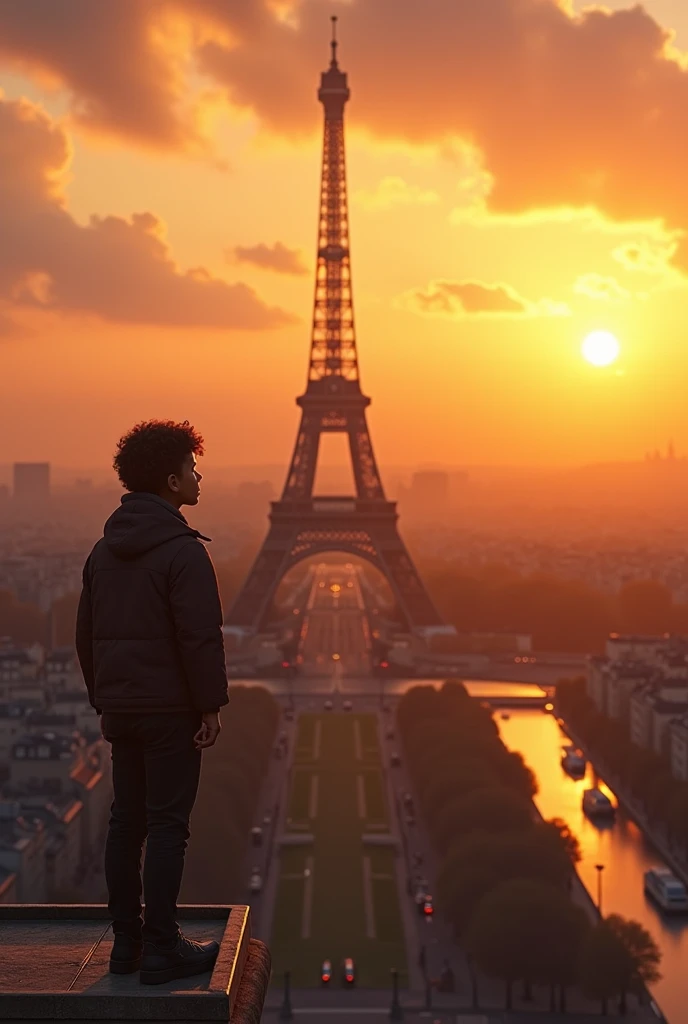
[[375, 797], [338, 918], [300, 796]]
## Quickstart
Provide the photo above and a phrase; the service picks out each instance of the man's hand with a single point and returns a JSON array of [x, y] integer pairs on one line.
[[209, 731]]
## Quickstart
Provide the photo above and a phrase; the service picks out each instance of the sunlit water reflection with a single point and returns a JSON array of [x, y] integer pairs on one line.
[[620, 846]]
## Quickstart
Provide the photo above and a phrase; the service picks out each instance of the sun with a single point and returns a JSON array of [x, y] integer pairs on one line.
[[601, 348]]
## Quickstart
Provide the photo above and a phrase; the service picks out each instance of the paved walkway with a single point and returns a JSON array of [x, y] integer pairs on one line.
[[272, 802]]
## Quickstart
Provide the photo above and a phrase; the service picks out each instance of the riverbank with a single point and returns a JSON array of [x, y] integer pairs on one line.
[[677, 863]]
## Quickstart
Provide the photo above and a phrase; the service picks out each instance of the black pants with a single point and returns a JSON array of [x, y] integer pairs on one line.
[[155, 773]]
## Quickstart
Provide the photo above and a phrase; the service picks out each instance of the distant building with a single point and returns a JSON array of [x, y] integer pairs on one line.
[[611, 683], [61, 669], [643, 680], [12, 718], [635, 647], [678, 748], [31, 483], [427, 497], [652, 709], [22, 853]]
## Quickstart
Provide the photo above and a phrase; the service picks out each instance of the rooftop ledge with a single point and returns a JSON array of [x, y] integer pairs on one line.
[[54, 966]]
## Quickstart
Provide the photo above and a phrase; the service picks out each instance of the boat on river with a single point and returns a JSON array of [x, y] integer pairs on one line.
[[597, 804], [666, 889], [573, 762]]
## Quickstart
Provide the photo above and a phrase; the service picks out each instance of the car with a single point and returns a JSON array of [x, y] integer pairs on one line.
[[256, 883], [283, 736], [407, 800], [410, 820], [257, 835], [395, 759], [326, 972], [347, 705], [267, 819], [278, 751], [328, 705], [289, 715], [417, 858], [389, 735], [348, 972], [419, 899], [428, 908]]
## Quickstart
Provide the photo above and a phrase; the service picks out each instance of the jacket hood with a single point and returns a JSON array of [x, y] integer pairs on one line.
[[143, 522]]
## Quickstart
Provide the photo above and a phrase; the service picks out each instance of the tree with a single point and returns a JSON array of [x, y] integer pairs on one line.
[[483, 810], [64, 619], [644, 954], [526, 930], [455, 780], [478, 863], [515, 774], [566, 837], [646, 606], [604, 965]]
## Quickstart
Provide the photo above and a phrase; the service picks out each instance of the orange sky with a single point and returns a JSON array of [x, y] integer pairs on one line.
[[516, 175]]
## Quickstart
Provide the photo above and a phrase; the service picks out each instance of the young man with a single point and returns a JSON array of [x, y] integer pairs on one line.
[[149, 640]]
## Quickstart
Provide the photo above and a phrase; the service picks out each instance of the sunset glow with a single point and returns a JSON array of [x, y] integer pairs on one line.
[[164, 218]]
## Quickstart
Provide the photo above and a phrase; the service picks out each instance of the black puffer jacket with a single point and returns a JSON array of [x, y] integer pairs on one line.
[[149, 625]]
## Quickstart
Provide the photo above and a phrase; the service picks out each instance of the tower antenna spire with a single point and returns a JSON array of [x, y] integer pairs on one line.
[[334, 40], [303, 524]]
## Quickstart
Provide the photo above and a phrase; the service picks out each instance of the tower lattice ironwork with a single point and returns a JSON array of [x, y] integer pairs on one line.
[[301, 523]]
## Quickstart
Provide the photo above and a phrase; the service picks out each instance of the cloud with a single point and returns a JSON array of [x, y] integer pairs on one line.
[[393, 191], [457, 299], [641, 257], [581, 110], [596, 286], [120, 270], [276, 257], [566, 109], [123, 78]]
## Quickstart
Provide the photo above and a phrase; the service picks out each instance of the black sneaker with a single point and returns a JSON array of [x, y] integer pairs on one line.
[[182, 961], [125, 957]]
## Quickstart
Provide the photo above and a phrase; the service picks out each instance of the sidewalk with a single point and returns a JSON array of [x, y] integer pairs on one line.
[[273, 802]]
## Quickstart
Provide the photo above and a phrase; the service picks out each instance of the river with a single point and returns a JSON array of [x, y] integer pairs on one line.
[[622, 848]]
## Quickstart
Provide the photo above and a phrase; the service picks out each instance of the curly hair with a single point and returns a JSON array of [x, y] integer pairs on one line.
[[152, 450]]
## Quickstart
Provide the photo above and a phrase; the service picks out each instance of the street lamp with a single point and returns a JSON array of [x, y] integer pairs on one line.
[[395, 1010], [286, 1012], [599, 868]]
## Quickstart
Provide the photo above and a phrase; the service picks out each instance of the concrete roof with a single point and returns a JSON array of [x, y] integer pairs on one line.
[[55, 966]]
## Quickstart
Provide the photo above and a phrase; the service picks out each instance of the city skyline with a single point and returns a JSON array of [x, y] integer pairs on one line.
[[480, 263]]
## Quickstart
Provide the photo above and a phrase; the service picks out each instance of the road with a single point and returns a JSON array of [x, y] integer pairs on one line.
[[335, 625], [335, 633]]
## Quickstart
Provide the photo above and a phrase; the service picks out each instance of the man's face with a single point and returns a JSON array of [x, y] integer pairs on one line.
[[186, 485]]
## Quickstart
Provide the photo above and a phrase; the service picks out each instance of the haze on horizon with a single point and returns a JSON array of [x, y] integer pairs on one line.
[[158, 190]]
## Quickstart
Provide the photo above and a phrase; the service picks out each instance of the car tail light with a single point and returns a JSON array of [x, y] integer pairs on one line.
[[384, 664], [325, 977], [428, 908]]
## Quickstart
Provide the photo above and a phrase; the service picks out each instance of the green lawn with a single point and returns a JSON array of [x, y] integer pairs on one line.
[[338, 918]]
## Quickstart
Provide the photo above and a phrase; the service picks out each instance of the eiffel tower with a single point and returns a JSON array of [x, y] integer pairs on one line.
[[303, 524]]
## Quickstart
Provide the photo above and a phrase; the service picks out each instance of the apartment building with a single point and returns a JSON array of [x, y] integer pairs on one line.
[[652, 710], [22, 853], [60, 780], [678, 747], [610, 683]]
